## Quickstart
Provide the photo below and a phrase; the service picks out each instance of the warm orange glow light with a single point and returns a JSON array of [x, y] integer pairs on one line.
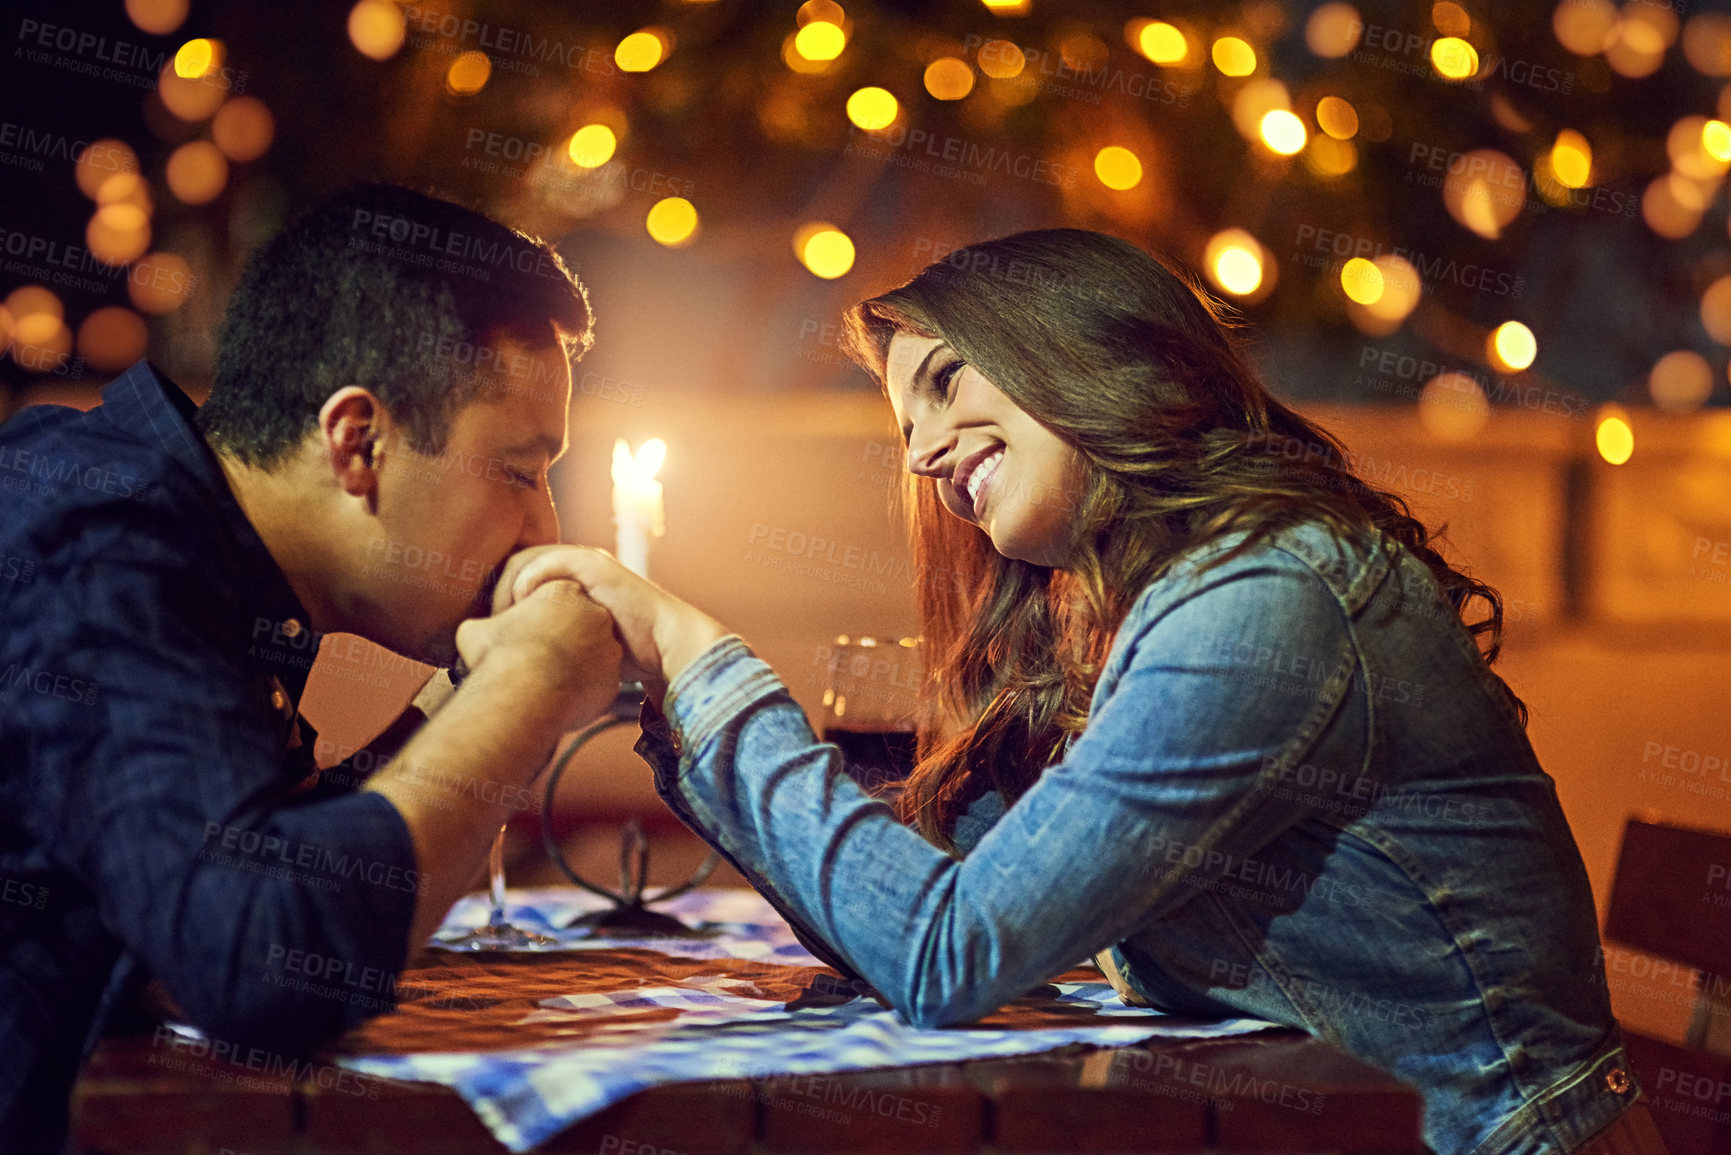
[[1614, 436], [157, 17], [1162, 43], [591, 146], [641, 51], [820, 40], [948, 78], [243, 128], [377, 28], [824, 249], [1233, 56], [1453, 58], [1118, 168], [1512, 347], [468, 73], [1283, 132], [1333, 30], [672, 222], [873, 108], [197, 172], [1362, 281]]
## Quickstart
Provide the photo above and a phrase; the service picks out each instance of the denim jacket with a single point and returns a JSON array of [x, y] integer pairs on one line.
[[1301, 795]]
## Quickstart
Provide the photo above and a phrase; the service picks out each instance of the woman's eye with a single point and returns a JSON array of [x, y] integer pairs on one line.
[[945, 378], [522, 479]]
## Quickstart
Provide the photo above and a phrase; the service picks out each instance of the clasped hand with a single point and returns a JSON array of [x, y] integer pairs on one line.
[[660, 634]]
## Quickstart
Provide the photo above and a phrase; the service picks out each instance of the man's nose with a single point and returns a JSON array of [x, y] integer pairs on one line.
[[541, 527]]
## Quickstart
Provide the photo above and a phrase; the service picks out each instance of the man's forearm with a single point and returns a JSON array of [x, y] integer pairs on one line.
[[454, 780]]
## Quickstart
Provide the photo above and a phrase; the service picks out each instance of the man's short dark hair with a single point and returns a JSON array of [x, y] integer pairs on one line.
[[391, 290]]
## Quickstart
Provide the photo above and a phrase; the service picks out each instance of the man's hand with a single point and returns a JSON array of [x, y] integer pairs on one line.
[[661, 634], [561, 635]]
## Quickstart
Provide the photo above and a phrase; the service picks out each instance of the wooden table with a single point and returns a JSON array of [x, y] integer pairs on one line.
[[1278, 1091]]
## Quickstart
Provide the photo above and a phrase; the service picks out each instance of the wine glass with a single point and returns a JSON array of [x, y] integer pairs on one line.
[[498, 933], [870, 700]]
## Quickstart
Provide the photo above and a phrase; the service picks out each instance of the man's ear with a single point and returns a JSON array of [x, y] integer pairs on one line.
[[352, 428]]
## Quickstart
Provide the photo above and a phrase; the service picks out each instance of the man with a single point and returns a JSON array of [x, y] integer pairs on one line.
[[390, 389]]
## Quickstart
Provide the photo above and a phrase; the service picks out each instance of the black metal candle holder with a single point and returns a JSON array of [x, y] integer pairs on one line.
[[630, 916]]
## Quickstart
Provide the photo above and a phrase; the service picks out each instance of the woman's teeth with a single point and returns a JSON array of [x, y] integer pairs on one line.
[[981, 474]]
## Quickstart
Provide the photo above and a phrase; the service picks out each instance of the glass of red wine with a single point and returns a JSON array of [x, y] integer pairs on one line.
[[870, 700]]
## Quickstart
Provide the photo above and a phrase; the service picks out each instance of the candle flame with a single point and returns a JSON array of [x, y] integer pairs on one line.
[[640, 468]]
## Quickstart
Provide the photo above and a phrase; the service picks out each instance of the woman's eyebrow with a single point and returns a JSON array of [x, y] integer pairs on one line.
[[923, 369]]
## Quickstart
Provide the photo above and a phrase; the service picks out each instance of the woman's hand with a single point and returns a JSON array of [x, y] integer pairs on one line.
[[660, 633]]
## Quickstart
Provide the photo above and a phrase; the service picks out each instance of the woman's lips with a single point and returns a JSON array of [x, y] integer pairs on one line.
[[965, 469]]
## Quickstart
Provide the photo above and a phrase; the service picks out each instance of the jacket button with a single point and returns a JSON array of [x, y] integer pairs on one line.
[[1617, 1080]]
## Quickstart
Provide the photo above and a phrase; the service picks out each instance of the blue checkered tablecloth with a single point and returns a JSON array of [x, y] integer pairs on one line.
[[725, 1029]]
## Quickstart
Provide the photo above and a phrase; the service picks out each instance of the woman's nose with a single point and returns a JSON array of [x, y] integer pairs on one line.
[[929, 451]]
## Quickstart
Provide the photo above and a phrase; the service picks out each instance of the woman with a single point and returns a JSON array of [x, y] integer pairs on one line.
[[1205, 707]]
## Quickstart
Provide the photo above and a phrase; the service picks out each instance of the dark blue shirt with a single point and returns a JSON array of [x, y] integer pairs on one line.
[[159, 806]]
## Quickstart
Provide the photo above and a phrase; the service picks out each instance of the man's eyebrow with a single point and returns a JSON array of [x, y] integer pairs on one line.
[[551, 445]]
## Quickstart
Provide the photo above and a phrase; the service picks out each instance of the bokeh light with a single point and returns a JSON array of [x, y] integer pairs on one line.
[[157, 17], [1233, 56], [1680, 381], [1571, 159], [112, 338], [1511, 347], [39, 336], [468, 73], [948, 78], [198, 58], [1255, 100], [1613, 435], [1672, 206], [1162, 43], [1686, 145], [1399, 296], [1584, 27], [1716, 310], [1450, 18], [197, 172], [1716, 140], [1001, 59], [1453, 58], [1362, 281], [591, 146], [825, 10], [1333, 30], [243, 128], [1329, 158], [872, 108], [1118, 168], [100, 160], [643, 50], [377, 28], [189, 100], [1236, 262], [1485, 191], [820, 41], [1452, 407], [672, 221], [1282, 132], [824, 249], [118, 233], [1337, 118], [160, 283], [1707, 43], [1637, 44]]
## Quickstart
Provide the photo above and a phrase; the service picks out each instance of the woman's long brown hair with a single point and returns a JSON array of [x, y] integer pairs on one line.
[[1181, 442]]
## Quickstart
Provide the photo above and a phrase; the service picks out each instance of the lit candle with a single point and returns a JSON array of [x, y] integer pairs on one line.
[[637, 508]]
